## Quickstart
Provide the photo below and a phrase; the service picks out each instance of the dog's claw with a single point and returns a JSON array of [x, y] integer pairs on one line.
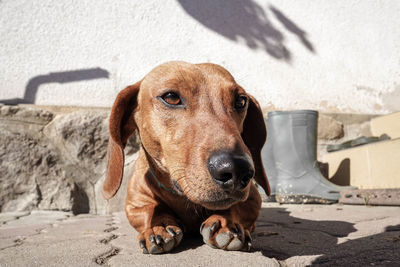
[[178, 237], [214, 226], [142, 246], [248, 240], [201, 227], [152, 239], [248, 244], [154, 249], [230, 236], [235, 229], [158, 239], [171, 232]]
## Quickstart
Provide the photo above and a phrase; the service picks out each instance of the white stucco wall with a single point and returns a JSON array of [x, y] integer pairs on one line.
[[330, 55]]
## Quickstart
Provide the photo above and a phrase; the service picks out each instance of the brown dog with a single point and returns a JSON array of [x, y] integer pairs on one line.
[[201, 138]]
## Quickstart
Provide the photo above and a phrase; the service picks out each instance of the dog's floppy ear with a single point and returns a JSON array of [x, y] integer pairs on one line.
[[121, 126], [254, 135]]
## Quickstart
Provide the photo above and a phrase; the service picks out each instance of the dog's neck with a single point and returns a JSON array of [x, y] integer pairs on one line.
[[152, 167], [162, 186]]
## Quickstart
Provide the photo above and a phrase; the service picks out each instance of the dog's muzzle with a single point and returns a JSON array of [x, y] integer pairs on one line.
[[232, 172]]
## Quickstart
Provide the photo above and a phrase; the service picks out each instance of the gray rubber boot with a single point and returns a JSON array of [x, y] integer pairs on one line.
[[269, 162], [290, 162]]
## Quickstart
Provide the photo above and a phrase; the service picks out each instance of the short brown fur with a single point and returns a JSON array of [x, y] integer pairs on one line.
[[176, 144]]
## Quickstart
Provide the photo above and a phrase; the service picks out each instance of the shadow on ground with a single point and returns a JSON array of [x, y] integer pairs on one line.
[[281, 236], [296, 241], [190, 241]]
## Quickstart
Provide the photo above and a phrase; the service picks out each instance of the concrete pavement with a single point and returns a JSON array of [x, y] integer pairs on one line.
[[286, 235]]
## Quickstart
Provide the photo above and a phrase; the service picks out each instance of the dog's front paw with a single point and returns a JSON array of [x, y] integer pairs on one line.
[[159, 239], [218, 232]]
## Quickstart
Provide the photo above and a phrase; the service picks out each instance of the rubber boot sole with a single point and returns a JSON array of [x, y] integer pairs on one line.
[[303, 199]]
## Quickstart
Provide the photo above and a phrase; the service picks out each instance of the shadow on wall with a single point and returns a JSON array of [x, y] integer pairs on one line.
[[32, 87], [245, 19], [342, 174]]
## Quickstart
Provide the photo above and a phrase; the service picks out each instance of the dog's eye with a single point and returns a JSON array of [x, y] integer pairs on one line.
[[171, 98], [240, 102]]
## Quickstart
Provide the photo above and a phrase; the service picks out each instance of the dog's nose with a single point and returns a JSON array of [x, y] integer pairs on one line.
[[230, 171]]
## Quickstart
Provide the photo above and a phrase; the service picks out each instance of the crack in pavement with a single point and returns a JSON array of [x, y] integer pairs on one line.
[[20, 239], [18, 242], [110, 229], [41, 229], [16, 217], [103, 258], [108, 239]]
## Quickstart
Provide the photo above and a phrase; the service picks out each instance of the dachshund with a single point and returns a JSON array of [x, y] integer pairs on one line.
[[201, 138]]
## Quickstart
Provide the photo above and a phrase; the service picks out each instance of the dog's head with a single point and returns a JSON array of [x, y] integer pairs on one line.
[[198, 126]]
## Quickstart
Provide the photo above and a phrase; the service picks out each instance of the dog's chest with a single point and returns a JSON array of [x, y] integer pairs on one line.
[[190, 215]]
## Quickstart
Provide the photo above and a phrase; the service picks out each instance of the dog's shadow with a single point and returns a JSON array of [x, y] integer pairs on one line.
[[281, 236], [189, 241]]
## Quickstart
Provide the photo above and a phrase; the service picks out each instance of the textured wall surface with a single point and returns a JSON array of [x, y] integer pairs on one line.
[[56, 161], [336, 56]]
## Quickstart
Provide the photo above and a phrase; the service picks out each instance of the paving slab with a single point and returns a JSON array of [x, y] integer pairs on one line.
[[286, 235], [12, 216], [333, 235], [52, 241]]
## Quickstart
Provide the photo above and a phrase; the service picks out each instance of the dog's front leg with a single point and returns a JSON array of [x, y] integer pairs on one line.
[[158, 230], [230, 229]]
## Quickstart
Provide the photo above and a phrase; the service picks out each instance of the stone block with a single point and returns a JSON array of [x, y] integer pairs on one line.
[[371, 166], [329, 128], [54, 161], [388, 124]]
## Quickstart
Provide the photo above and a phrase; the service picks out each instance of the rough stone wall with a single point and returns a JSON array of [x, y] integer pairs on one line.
[[54, 158], [54, 161]]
